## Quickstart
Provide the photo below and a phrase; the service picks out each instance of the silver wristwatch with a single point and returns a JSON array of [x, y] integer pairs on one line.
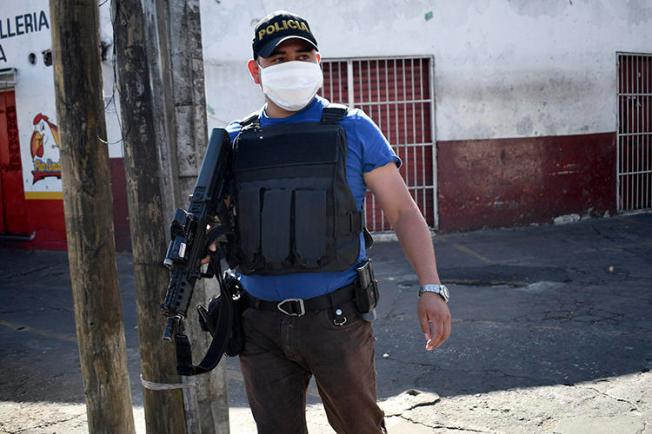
[[437, 289]]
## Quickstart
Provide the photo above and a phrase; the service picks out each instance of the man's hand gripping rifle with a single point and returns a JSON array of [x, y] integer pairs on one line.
[[189, 244]]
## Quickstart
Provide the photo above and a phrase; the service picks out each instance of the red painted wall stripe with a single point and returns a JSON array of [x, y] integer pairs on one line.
[[46, 217], [507, 182]]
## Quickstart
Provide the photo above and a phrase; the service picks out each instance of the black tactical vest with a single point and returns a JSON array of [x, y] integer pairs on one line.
[[294, 209]]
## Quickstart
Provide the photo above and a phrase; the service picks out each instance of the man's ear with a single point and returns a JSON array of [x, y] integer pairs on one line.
[[254, 70], [318, 58]]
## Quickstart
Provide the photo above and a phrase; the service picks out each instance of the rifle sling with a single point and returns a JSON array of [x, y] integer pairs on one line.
[[222, 333]]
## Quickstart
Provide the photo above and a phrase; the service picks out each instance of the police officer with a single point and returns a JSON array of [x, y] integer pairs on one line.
[[301, 170]]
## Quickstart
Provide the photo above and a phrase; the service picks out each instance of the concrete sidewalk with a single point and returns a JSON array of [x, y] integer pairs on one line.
[[552, 332]]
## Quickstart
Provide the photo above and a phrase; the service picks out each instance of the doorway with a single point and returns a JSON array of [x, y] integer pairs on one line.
[[398, 94], [13, 213], [634, 154]]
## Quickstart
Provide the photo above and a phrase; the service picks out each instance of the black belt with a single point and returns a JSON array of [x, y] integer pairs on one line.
[[299, 306]]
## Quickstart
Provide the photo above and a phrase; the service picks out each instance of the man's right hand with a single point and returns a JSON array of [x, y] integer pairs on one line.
[[213, 248]]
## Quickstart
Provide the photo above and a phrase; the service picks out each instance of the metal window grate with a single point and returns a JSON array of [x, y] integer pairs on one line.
[[634, 135], [397, 94], [7, 78]]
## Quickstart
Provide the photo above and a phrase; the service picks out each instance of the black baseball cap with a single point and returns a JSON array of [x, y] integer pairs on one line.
[[277, 27]]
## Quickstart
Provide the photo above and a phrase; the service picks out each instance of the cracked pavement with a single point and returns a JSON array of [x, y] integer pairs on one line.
[[552, 332]]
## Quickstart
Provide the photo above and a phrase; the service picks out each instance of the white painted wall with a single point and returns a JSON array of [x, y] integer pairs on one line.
[[35, 84], [503, 68], [34, 89]]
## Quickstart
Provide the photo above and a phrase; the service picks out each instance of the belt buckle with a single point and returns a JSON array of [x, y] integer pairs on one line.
[[302, 309]]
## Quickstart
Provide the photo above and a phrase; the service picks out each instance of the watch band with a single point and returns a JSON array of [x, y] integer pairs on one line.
[[442, 290]]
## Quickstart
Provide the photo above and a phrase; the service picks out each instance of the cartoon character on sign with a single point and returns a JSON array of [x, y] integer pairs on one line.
[[44, 146]]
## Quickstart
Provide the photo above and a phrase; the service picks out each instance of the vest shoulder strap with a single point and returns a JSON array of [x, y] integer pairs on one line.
[[251, 119], [333, 113]]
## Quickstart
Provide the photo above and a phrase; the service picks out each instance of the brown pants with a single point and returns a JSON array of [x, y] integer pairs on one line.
[[281, 354]]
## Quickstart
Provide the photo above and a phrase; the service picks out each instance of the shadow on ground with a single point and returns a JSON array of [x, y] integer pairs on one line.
[[531, 306]]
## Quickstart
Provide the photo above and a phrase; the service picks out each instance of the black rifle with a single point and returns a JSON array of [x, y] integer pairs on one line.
[[189, 245]]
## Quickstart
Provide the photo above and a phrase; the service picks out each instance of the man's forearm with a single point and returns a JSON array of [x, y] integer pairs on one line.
[[416, 240]]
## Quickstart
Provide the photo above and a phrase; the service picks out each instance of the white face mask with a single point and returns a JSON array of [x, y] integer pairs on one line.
[[291, 85]]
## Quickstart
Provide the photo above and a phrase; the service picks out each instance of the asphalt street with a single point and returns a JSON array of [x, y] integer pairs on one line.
[[552, 332]]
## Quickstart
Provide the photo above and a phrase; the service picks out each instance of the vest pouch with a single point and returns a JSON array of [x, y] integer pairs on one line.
[[275, 232], [310, 227], [249, 217]]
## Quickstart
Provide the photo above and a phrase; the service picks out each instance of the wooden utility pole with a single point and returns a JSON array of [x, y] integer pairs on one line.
[[183, 125], [164, 409], [88, 206]]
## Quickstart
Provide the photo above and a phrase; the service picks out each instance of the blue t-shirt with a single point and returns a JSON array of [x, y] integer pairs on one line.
[[367, 150]]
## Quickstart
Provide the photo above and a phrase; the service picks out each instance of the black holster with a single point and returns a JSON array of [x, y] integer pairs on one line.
[[209, 317], [366, 289]]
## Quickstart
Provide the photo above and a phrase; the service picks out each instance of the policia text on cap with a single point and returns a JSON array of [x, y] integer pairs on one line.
[[301, 169]]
